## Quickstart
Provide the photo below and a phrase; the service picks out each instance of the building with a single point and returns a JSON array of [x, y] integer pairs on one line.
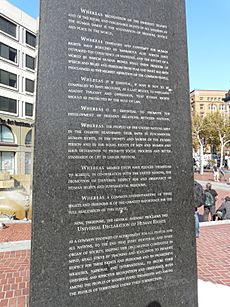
[[205, 101], [18, 52]]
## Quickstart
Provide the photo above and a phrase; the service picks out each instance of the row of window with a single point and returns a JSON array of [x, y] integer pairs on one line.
[[10, 54], [10, 79], [222, 107], [11, 29], [212, 107], [214, 99], [211, 98], [10, 105], [6, 136]]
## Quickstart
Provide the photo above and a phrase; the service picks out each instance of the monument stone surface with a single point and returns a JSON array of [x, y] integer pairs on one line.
[[113, 220]]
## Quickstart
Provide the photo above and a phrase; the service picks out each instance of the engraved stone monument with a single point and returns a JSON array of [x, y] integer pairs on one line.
[[113, 220]]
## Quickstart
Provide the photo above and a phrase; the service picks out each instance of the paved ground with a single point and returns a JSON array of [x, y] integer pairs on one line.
[[14, 278], [208, 177], [16, 232], [213, 250]]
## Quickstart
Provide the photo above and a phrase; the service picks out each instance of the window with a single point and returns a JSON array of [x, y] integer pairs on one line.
[[7, 161], [201, 107], [29, 109], [30, 62], [28, 140], [222, 107], [201, 98], [29, 85], [8, 53], [6, 136], [8, 78], [212, 107], [8, 105], [7, 26], [30, 39]]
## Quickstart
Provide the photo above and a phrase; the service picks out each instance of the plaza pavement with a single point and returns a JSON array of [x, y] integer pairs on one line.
[[213, 250], [213, 245]]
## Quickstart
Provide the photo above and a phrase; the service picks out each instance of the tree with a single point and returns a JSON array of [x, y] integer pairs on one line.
[[218, 126], [199, 131]]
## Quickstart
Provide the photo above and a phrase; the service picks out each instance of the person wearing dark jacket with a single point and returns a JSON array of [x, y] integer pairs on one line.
[[211, 208], [223, 211]]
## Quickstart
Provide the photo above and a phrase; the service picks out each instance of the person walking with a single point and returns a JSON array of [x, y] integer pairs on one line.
[[215, 173], [211, 197], [223, 212], [222, 174]]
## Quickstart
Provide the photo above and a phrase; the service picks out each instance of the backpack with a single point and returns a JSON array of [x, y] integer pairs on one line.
[[209, 199], [199, 196]]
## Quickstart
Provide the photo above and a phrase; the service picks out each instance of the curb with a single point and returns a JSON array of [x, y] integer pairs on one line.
[[15, 246], [214, 223]]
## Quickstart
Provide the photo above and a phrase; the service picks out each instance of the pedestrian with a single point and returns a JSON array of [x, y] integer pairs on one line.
[[197, 224], [215, 173], [211, 197], [222, 173], [27, 207], [223, 212], [198, 201]]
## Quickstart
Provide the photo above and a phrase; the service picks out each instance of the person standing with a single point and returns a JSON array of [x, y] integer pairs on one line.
[[197, 223], [211, 197], [215, 173], [27, 207], [198, 201]]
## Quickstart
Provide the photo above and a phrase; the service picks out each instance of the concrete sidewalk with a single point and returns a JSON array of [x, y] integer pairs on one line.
[[208, 177]]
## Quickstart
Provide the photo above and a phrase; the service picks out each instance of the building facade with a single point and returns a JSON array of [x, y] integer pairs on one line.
[[206, 101], [18, 53]]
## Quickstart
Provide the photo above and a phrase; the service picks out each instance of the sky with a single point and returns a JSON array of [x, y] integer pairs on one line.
[[208, 34]]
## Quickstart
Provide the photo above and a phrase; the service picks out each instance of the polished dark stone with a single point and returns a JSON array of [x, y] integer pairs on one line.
[[53, 228]]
